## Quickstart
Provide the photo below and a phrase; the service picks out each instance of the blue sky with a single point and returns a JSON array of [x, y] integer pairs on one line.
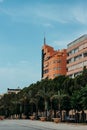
[[22, 27]]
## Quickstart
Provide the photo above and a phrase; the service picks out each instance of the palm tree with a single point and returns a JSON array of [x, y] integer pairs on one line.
[[68, 86], [76, 103], [83, 94], [35, 101], [66, 104], [45, 95], [24, 103], [59, 96]]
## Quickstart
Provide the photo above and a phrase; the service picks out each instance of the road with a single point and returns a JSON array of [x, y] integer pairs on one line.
[[38, 125]]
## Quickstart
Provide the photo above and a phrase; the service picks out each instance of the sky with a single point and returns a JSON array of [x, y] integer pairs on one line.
[[23, 25]]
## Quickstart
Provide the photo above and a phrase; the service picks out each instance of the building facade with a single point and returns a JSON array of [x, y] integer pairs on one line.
[[53, 62], [76, 56], [16, 91]]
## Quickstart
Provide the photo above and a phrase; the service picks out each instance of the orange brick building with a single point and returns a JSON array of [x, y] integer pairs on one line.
[[53, 62]]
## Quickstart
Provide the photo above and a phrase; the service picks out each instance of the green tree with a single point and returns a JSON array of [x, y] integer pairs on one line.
[[66, 104]]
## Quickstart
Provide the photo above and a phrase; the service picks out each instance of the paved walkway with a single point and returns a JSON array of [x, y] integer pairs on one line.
[[56, 126], [39, 125]]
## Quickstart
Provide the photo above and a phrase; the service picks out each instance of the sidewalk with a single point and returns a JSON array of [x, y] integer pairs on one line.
[[39, 125], [52, 125]]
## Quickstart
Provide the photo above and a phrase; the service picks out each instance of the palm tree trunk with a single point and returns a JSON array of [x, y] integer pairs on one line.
[[36, 111], [54, 113], [46, 107]]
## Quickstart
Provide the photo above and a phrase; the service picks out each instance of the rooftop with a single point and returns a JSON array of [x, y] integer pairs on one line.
[[77, 40]]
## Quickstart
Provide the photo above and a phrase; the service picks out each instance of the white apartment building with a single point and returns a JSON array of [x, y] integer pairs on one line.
[[77, 56]]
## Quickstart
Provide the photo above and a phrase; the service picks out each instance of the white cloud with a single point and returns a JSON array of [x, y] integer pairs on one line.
[[80, 14], [48, 13], [60, 44], [42, 12], [48, 25]]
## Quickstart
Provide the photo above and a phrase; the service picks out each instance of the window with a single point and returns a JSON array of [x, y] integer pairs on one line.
[[46, 71], [57, 68], [78, 57], [55, 75], [76, 50], [85, 54], [58, 61]]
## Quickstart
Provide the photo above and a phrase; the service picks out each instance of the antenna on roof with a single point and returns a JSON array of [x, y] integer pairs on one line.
[[44, 39]]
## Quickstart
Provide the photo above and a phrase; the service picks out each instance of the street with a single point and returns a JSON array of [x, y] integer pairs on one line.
[[38, 125]]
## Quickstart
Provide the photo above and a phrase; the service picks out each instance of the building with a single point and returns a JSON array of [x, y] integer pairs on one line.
[[77, 56], [1, 95], [9, 91], [53, 62]]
